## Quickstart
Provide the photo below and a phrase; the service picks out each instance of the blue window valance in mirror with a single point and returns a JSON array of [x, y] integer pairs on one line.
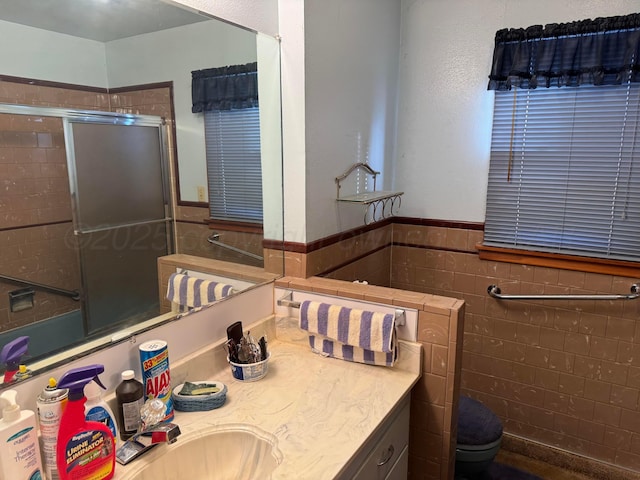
[[225, 88]]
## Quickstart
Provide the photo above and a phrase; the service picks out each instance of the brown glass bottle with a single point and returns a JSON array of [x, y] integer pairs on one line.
[[130, 398]]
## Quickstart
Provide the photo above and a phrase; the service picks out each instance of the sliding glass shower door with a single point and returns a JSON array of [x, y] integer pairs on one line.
[[122, 215]]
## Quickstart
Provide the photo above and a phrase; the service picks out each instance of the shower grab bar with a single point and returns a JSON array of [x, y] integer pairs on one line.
[[494, 291], [287, 301], [73, 294], [214, 240]]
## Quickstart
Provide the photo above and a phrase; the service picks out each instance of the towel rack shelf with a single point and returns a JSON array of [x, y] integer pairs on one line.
[[494, 291], [380, 204]]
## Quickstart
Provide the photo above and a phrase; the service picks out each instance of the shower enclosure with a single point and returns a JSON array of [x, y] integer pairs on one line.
[[121, 221]]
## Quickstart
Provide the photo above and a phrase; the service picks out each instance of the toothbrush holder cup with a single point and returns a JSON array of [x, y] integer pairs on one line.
[[249, 372]]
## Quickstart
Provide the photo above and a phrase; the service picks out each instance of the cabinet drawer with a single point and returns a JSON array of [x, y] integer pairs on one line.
[[400, 470], [386, 452]]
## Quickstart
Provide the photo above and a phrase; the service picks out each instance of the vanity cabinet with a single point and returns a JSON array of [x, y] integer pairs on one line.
[[385, 456]]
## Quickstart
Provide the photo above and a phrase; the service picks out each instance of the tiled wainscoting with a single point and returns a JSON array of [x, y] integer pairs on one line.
[[192, 232], [565, 374]]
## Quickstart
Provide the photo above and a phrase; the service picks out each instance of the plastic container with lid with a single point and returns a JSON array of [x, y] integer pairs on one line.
[[130, 398]]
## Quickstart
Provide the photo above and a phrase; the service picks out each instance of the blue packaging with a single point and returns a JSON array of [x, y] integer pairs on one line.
[[156, 377]]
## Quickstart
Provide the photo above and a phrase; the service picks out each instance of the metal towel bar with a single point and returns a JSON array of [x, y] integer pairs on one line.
[[287, 301], [494, 291], [214, 239]]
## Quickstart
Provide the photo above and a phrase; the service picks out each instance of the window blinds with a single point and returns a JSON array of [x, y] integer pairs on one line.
[[564, 174], [233, 164]]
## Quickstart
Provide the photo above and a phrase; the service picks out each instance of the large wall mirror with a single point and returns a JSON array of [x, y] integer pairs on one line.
[[130, 57]]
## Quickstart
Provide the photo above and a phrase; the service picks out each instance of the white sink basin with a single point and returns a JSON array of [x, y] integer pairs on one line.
[[225, 452]]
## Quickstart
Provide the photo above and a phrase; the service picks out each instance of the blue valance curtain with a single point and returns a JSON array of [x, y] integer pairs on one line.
[[225, 88], [604, 51]]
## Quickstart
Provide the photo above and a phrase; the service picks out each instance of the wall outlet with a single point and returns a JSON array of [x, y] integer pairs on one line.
[[202, 194]]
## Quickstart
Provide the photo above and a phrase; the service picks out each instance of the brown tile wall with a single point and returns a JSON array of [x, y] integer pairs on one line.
[[49, 96], [336, 258], [192, 234], [373, 268], [562, 373], [35, 210], [434, 398], [148, 101]]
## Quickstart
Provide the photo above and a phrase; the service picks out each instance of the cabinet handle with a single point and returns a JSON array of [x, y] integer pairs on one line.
[[387, 456]]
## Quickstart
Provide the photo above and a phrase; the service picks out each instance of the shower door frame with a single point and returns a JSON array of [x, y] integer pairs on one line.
[[68, 115]]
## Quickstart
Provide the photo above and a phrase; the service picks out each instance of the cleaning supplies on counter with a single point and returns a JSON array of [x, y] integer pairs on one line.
[[130, 398], [19, 448], [50, 403], [86, 450], [97, 410], [11, 354], [154, 358]]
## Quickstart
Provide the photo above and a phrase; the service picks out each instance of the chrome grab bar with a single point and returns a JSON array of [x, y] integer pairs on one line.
[[214, 240], [73, 294], [494, 291]]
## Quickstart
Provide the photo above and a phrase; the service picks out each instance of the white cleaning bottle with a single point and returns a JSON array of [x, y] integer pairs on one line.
[[97, 410], [19, 449]]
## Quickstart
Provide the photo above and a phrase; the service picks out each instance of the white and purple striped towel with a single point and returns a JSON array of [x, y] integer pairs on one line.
[[355, 335], [191, 292]]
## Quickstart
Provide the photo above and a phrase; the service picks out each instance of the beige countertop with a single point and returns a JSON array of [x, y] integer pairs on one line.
[[321, 410]]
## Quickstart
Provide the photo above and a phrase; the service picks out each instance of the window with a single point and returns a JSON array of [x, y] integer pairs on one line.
[[233, 164], [564, 172], [228, 98]]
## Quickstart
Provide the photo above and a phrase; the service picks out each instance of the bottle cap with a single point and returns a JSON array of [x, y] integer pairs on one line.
[[10, 408], [128, 375]]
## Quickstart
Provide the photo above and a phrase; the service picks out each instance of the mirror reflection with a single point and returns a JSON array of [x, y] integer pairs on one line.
[[124, 62]]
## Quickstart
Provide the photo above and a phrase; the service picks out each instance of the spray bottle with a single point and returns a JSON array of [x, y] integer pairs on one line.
[[19, 448], [50, 403], [97, 410], [86, 449], [11, 354]]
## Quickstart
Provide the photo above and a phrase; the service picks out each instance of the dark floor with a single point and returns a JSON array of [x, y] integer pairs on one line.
[[537, 467]]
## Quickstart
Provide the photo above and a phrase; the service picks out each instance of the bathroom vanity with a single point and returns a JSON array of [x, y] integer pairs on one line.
[[330, 419]]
